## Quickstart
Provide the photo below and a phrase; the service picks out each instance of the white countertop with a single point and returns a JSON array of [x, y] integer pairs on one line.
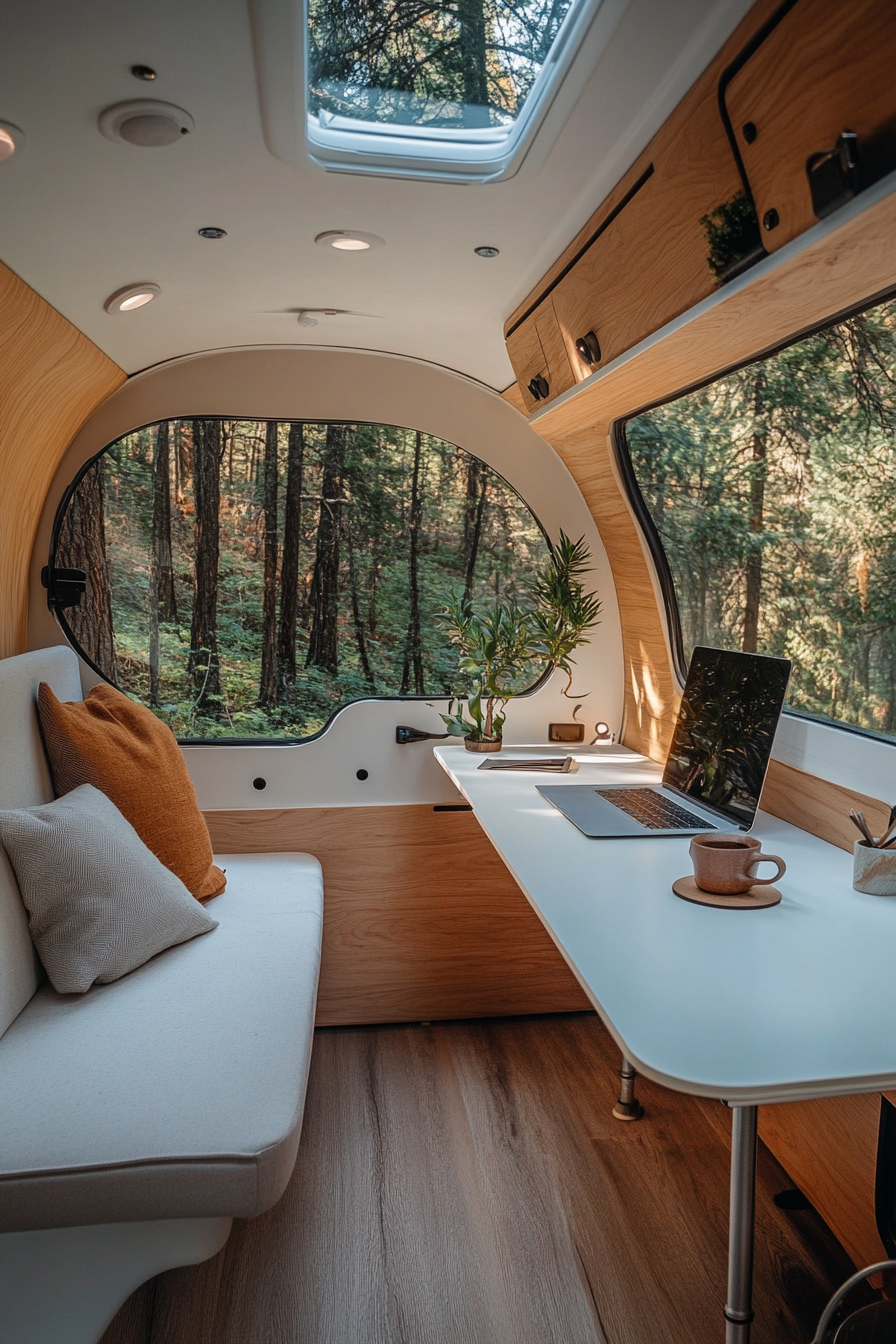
[[798, 1000]]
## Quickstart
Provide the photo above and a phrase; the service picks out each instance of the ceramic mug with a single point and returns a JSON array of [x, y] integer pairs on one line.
[[725, 863]]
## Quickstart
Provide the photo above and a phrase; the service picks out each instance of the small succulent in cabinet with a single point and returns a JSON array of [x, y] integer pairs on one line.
[[498, 643]]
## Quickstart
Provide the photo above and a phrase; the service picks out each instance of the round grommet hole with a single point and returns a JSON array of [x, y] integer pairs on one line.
[[750, 132], [362, 774], [771, 219], [259, 783]]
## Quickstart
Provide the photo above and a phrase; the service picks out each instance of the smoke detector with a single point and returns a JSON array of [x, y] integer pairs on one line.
[[145, 122]]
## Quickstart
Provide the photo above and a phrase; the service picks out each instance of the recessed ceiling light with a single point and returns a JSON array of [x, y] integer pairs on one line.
[[350, 240], [145, 122], [11, 139], [131, 297], [212, 232], [143, 72], [486, 251]]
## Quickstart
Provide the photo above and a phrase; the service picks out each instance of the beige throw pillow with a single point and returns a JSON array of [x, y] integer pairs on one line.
[[99, 902]]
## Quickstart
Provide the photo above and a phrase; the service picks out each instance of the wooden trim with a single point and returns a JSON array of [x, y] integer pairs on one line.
[[818, 806], [422, 921], [515, 397], [53, 379], [829, 1150]]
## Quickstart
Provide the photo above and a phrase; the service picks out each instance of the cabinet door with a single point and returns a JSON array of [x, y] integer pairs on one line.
[[827, 67], [650, 259], [537, 350]]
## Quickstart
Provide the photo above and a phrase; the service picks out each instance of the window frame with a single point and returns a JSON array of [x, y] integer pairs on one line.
[[58, 613], [648, 528]]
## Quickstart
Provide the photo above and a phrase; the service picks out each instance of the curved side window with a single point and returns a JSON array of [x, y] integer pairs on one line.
[[773, 494], [246, 579]]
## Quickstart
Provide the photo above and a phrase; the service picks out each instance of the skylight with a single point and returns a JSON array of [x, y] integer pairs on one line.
[[435, 87]]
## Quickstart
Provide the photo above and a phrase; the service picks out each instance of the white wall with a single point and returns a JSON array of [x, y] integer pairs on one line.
[[285, 383]]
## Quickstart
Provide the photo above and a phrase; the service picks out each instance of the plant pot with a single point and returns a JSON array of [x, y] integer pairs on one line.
[[487, 745], [874, 870]]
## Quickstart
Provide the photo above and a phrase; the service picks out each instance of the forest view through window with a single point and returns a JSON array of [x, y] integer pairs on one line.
[[247, 578], [773, 491], [457, 66]]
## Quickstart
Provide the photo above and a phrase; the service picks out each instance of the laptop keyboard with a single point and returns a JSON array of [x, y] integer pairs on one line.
[[654, 810]]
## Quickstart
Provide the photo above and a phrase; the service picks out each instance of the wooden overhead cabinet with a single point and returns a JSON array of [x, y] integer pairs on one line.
[[823, 69], [538, 356]]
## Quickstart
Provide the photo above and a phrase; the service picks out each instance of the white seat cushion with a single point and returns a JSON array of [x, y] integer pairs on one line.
[[177, 1091]]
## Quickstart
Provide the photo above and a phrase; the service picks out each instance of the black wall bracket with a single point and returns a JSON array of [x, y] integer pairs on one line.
[[65, 587], [405, 735], [834, 175]]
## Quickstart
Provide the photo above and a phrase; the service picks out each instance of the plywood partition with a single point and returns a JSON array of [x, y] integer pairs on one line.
[[51, 379], [422, 921]]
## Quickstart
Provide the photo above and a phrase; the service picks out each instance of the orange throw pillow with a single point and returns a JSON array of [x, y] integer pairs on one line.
[[122, 749]]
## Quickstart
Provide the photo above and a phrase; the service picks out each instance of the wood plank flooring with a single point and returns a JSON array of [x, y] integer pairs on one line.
[[465, 1183]]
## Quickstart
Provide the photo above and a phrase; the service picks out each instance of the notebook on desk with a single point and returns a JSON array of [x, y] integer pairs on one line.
[[716, 764]]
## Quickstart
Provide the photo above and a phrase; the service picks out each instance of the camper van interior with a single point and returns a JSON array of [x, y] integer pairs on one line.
[[393, 398]]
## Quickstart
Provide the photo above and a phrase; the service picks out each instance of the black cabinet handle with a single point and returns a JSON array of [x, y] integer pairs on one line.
[[539, 387], [588, 347]]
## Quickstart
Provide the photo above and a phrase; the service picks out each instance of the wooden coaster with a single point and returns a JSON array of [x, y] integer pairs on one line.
[[757, 898]]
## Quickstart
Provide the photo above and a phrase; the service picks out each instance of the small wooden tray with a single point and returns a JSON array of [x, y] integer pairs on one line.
[[757, 898]]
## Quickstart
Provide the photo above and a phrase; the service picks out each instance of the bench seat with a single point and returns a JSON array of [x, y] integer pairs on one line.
[[176, 1091]]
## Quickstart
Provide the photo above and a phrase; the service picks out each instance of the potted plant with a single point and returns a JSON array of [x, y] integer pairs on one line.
[[496, 648], [498, 644]]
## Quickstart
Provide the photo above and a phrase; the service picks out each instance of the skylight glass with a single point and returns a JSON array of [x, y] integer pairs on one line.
[[460, 66], [442, 87]]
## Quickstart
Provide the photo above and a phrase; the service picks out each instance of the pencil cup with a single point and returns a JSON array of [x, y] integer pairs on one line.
[[873, 870]]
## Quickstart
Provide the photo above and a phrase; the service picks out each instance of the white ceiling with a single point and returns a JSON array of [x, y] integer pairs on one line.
[[80, 216]]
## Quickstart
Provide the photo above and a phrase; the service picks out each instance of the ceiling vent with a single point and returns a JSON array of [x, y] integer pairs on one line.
[[146, 123]]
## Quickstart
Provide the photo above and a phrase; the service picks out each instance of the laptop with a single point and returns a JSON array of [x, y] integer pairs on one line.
[[716, 764]]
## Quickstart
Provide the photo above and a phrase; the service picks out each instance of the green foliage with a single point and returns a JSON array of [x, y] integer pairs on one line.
[[776, 486], [732, 232], [499, 643], [497, 647], [564, 612]]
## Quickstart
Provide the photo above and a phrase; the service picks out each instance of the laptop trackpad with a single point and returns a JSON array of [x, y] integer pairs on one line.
[[593, 814]]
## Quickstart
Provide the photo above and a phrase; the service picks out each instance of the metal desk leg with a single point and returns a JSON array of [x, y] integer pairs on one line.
[[627, 1107], [739, 1311]]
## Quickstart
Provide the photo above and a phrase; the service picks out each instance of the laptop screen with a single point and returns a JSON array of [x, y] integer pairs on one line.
[[725, 730]]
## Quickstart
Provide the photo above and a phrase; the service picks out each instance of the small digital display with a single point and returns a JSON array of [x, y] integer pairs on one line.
[[726, 726]]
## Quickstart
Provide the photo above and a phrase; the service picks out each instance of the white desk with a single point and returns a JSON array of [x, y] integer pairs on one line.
[[757, 1006]]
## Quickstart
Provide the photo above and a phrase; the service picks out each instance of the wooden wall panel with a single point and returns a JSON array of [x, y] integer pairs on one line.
[[829, 1150], [422, 920], [51, 379]]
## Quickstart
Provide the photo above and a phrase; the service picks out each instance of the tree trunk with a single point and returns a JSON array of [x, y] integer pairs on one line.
[[323, 642], [162, 562], [471, 14], [413, 652], [203, 662], [474, 541], [753, 595], [289, 567], [82, 545], [356, 610], [267, 693]]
